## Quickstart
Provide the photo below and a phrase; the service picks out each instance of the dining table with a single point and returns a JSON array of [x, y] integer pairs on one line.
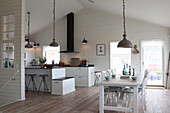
[[120, 81]]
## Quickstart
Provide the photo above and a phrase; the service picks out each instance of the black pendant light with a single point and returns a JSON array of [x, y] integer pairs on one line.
[[84, 41], [54, 44], [124, 43], [28, 45]]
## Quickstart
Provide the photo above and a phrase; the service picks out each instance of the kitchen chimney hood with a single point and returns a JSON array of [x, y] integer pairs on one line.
[[70, 34]]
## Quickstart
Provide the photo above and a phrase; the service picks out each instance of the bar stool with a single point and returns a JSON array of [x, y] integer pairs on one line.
[[33, 81], [26, 87], [44, 82]]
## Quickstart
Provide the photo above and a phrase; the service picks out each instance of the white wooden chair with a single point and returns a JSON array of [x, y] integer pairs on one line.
[[129, 92], [111, 92]]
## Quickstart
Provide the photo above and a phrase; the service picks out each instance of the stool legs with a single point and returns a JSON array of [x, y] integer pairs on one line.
[[33, 83], [45, 84]]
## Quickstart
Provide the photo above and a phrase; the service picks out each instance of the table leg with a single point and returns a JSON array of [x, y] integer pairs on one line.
[[101, 99], [135, 109]]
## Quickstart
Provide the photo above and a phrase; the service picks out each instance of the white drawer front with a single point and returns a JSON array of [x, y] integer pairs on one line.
[[56, 85], [81, 80], [72, 71]]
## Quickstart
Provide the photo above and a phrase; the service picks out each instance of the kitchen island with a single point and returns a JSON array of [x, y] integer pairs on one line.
[[84, 76], [54, 73]]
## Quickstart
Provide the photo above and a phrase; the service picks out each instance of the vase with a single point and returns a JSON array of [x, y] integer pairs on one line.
[[42, 65]]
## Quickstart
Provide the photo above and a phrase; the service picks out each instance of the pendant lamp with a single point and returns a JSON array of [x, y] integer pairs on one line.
[[54, 44], [84, 41], [124, 43], [28, 45]]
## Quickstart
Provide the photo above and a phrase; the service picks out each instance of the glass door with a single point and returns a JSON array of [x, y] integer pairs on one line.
[[153, 62]]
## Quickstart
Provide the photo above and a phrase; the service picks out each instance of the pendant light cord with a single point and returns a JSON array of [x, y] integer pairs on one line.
[[28, 26], [124, 21], [54, 21]]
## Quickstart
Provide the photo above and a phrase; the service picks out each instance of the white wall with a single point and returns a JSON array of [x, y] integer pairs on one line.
[[102, 28], [15, 90]]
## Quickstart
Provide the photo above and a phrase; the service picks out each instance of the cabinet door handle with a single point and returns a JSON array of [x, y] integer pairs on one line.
[[79, 76], [56, 82]]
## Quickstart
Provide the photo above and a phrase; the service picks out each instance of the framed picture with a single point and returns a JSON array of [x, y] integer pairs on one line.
[[100, 49]]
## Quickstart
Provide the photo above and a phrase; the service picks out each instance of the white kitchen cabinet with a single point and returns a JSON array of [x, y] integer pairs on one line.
[[63, 86], [84, 76]]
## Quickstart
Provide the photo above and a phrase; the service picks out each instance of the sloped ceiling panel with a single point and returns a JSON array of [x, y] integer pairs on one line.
[[42, 12], [152, 11]]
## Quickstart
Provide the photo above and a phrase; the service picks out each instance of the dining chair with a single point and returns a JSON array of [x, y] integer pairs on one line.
[[111, 91], [129, 92], [97, 76]]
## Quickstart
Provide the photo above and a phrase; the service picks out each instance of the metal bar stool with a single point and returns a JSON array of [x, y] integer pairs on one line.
[[44, 82], [26, 87], [33, 81]]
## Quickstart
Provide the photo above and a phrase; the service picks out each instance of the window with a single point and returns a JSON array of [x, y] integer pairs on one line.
[[119, 57], [51, 54], [8, 41]]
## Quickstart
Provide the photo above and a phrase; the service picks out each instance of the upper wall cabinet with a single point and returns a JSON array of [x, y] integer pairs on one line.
[[8, 41]]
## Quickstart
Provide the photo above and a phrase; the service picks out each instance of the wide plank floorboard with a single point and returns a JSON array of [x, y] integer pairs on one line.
[[83, 100]]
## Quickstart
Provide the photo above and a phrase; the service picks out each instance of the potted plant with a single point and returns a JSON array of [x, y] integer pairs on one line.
[[42, 60]]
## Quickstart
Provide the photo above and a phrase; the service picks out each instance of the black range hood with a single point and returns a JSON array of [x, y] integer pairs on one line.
[[70, 34]]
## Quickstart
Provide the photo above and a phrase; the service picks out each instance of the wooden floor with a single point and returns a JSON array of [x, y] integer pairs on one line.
[[83, 100]]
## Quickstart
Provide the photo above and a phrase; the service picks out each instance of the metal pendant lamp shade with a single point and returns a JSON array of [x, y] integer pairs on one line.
[[54, 44], [124, 43], [84, 41], [28, 45]]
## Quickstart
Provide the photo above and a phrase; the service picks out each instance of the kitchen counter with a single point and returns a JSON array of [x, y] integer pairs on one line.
[[56, 66], [38, 67], [90, 65]]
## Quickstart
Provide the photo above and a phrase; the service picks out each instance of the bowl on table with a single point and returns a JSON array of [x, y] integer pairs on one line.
[[113, 76], [107, 77], [134, 77]]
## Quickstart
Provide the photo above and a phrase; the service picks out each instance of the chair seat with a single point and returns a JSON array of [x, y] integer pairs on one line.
[[130, 90], [112, 89]]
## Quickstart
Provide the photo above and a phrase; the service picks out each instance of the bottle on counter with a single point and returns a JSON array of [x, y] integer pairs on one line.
[[124, 70], [129, 70], [53, 62], [86, 62], [61, 63], [133, 72]]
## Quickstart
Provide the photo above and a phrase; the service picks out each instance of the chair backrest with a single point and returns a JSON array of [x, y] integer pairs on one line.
[[103, 74], [109, 72], [145, 79]]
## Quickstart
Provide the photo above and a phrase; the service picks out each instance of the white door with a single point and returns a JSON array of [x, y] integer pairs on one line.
[[12, 32], [152, 60]]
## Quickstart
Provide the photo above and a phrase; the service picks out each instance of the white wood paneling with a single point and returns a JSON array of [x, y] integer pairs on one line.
[[15, 90], [102, 28]]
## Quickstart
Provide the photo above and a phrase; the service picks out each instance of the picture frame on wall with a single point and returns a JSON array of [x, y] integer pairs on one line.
[[100, 49]]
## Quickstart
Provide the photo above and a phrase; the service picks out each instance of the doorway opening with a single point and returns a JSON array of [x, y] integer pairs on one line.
[[119, 57], [152, 60]]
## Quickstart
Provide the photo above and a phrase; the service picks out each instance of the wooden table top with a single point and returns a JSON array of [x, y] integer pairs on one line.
[[117, 81]]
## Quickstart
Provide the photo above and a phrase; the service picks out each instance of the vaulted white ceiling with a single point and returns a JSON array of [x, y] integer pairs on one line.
[[152, 11], [42, 12]]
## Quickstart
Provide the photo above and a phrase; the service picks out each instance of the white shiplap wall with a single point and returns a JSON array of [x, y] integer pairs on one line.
[[102, 28], [15, 90]]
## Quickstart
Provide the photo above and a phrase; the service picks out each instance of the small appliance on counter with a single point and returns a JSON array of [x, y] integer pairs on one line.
[[75, 62], [35, 62]]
